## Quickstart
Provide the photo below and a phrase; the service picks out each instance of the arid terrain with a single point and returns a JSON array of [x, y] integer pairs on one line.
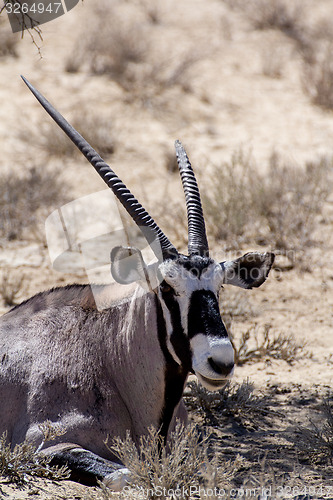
[[248, 88]]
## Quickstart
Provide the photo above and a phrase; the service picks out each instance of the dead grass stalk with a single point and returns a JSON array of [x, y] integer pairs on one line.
[[125, 50], [8, 40], [318, 76], [24, 461], [317, 441], [259, 344], [11, 285], [234, 400], [26, 200], [278, 209], [188, 462]]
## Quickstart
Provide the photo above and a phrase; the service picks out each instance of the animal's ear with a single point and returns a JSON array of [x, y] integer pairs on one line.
[[248, 271], [127, 265]]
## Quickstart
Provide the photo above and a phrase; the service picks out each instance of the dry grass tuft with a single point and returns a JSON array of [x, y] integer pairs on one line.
[[24, 462], [316, 443], [11, 286], [51, 139], [175, 226], [273, 14], [112, 48], [234, 400], [235, 304], [278, 209], [318, 76], [26, 200], [125, 49], [50, 431], [313, 43], [188, 463], [171, 164], [317, 67], [287, 17], [259, 344], [8, 40], [228, 200], [95, 129], [277, 14]]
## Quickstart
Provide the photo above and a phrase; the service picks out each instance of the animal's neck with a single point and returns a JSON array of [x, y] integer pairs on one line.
[[174, 376], [140, 363], [157, 381]]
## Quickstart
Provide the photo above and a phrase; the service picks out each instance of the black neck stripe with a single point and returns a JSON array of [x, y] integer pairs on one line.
[[175, 375]]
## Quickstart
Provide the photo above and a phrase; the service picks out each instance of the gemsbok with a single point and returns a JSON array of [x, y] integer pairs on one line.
[[99, 373]]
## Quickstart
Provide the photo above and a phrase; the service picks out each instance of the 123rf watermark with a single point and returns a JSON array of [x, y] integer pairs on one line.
[[263, 493], [29, 14]]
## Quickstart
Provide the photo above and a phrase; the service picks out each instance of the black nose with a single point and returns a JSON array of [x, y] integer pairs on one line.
[[221, 368]]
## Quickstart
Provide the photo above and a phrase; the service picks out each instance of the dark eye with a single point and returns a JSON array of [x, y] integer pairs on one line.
[[165, 288]]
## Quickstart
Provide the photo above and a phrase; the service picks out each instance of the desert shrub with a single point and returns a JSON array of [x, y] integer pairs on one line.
[[11, 285], [317, 440], [175, 226], [188, 462], [51, 139], [171, 164], [25, 201], [278, 208], [8, 40], [317, 76], [276, 14], [110, 48], [228, 200], [152, 466], [233, 400], [290, 198], [235, 305], [94, 128], [127, 50], [259, 343], [288, 17], [24, 461]]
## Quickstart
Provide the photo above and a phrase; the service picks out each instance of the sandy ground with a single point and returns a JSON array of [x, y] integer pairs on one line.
[[228, 102]]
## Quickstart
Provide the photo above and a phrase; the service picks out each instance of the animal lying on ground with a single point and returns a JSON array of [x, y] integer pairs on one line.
[[99, 373]]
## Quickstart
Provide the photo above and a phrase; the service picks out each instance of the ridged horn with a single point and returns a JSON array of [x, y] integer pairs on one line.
[[139, 215], [197, 239]]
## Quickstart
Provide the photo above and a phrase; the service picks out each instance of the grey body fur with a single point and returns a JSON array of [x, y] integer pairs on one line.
[[64, 361]]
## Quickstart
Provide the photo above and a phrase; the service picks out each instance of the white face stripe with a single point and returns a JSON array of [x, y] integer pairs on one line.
[[169, 329]]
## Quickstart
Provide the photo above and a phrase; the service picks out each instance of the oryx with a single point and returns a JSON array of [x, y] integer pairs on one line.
[[102, 372]]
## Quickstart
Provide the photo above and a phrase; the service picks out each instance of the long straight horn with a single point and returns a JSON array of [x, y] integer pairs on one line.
[[133, 207], [197, 239]]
